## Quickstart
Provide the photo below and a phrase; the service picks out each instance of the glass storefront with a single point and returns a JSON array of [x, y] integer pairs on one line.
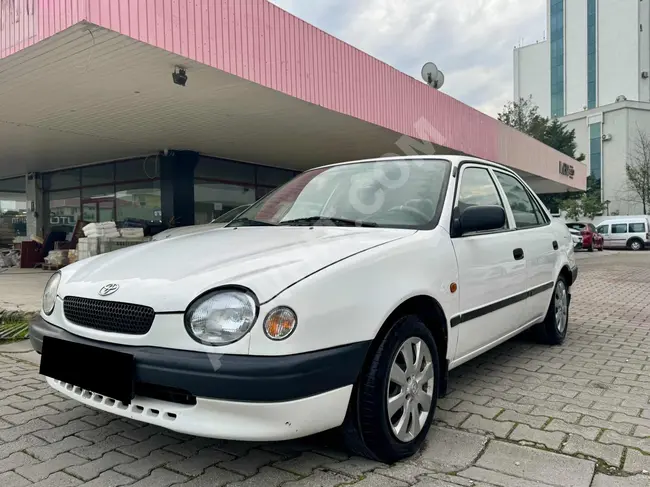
[[220, 186], [13, 208], [127, 192]]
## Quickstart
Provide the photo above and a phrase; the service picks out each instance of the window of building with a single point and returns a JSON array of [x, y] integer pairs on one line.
[[211, 200], [619, 228], [595, 155], [64, 208], [592, 50], [523, 209], [557, 58], [137, 203], [98, 203], [637, 227]]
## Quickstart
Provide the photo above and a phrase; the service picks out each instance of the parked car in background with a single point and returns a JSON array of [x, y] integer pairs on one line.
[[590, 239], [632, 233], [342, 299], [219, 222]]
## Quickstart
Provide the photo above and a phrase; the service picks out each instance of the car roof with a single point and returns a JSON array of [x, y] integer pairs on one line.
[[455, 160]]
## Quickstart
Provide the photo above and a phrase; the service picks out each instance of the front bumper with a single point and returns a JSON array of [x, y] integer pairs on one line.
[[226, 396]]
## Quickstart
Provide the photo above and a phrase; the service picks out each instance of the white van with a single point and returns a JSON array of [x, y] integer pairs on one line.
[[631, 233]]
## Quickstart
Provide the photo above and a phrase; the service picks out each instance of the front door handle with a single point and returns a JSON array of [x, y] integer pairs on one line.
[[555, 246], [518, 254]]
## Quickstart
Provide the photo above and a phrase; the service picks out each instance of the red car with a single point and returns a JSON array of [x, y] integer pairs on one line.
[[591, 239]]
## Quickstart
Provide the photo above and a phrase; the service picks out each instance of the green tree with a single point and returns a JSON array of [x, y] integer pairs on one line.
[[524, 116], [637, 169]]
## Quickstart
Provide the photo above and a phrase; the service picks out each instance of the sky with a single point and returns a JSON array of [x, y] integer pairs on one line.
[[471, 41]]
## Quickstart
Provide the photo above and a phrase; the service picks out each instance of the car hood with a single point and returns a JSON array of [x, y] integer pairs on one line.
[[191, 230], [167, 275]]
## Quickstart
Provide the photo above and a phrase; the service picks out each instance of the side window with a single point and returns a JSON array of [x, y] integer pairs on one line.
[[523, 209], [637, 228], [603, 229], [619, 228], [477, 188]]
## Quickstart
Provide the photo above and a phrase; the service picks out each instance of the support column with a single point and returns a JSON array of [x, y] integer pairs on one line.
[[35, 207], [177, 187]]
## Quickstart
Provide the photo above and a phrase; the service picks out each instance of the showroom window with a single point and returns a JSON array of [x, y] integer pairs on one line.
[[127, 192], [220, 186], [13, 207]]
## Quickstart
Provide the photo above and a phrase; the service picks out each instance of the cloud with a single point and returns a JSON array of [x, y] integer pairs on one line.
[[470, 40]]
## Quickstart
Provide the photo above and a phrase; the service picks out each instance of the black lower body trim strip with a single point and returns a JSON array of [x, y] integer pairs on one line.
[[504, 303]]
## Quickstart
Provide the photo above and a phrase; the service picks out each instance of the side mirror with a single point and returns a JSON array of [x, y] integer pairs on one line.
[[481, 219]]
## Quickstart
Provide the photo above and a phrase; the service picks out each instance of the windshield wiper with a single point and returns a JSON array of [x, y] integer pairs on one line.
[[252, 223], [341, 222]]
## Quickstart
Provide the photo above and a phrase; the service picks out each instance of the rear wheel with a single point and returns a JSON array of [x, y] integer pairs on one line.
[[635, 244], [553, 330], [394, 401]]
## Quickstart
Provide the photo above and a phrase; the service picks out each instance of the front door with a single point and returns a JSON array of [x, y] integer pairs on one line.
[[492, 272], [607, 238]]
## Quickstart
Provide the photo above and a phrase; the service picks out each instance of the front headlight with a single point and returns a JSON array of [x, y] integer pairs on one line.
[[221, 317], [49, 295]]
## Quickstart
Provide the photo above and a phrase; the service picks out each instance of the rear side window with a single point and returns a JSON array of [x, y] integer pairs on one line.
[[525, 212], [619, 228], [603, 229], [637, 227]]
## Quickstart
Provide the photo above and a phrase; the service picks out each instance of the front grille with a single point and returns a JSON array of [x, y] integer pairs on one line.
[[132, 319]]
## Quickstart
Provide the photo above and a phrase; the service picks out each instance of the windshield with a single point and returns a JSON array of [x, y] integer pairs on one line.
[[576, 226], [403, 193], [229, 215]]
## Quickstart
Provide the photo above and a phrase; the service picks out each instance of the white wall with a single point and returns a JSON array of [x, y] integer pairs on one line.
[[644, 50], [618, 50], [532, 73], [575, 55]]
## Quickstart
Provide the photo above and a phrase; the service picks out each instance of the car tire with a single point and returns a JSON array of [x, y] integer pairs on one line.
[[368, 430], [635, 244], [553, 330]]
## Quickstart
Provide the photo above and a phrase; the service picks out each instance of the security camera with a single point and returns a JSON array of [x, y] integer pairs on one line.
[[179, 76]]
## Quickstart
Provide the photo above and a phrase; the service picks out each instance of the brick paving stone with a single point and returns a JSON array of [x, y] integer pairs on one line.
[[250, 463], [588, 432], [642, 432], [12, 479], [572, 408], [43, 470], [197, 463], [612, 437], [14, 432], [537, 465], [612, 454], [195, 445], [98, 434], [47, 452], [450, 418], [266, 477], [160, 478], [109, 479], [450, 450], [213, 477], [623, 428], [497, 478], [24, 442], [91, 470], [58, 479], [530, 420], [601, 480], [16, 460], [500, 429], [319, 478], [374, 480], [25, 416], [636, 462], [141, 467], [550, 439], [405, 471], [57, 433], [305, 464], [97, 450], [147, 446], [354, 467]]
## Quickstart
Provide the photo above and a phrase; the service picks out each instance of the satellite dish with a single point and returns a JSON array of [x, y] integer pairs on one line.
[[432, 75]]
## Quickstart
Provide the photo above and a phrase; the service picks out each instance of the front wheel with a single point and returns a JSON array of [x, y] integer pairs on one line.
[[393, 404], [553, 330]]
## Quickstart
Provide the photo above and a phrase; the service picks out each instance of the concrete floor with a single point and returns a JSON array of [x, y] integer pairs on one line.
[[22, 289]]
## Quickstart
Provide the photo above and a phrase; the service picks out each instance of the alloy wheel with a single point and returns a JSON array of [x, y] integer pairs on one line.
[[561, 306]]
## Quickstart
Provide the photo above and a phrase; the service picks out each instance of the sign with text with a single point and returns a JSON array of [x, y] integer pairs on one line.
[[566, 169]]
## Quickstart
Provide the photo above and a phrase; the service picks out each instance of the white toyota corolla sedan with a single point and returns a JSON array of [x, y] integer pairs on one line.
[[342, 299]]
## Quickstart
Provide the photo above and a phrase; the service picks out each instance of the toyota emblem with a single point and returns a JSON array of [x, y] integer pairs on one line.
[[109, 289]]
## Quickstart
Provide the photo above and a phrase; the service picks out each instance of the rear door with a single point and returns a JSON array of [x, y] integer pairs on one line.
[[619, 235], [533, 229]]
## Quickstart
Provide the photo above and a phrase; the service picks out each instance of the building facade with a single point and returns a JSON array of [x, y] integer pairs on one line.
[[175, 111], [593, 73]]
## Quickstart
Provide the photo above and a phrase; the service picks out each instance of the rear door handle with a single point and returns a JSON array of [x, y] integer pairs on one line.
[[555, 246], [518, 254]]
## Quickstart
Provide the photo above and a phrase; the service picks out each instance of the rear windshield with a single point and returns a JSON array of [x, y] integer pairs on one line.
[[576, 226]]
